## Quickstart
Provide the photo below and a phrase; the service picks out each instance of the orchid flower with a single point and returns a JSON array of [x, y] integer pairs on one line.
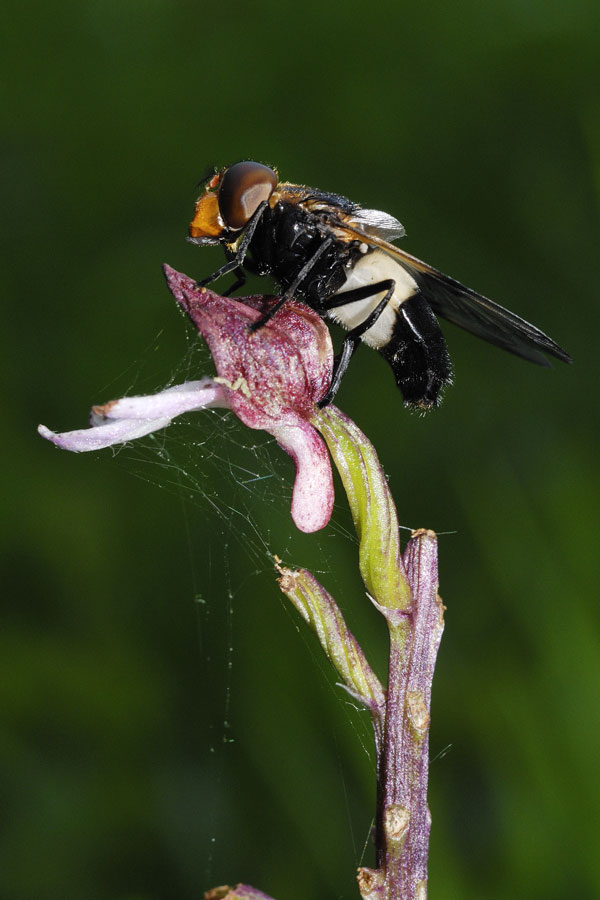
[[271, 378]]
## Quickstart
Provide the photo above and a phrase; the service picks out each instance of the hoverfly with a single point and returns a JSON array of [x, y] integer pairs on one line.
[[338, 258]]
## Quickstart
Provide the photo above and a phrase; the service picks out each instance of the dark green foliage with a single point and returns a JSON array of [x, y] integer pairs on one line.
[[477, 125]]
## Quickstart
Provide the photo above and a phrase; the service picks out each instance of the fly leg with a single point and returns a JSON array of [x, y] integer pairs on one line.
[[237, 259], [294, 286], [353, 337], [238, 283]]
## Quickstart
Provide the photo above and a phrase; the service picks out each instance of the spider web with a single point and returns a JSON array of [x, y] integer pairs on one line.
[[238, 477], [240, 482]]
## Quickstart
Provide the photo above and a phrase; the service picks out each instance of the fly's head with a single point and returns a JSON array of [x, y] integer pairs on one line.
[[229, 201]]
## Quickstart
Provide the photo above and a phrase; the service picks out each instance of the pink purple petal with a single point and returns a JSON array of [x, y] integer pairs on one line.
[[312, 498], [172, 402], [134, 417], [100, 436]]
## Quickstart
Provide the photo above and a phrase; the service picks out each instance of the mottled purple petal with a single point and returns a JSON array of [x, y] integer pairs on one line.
[[273, 377], [282, 370]]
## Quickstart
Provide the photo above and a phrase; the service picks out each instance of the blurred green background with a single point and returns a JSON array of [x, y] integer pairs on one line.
[[167, 724]]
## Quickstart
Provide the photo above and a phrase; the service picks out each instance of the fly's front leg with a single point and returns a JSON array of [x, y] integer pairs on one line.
[[237, 259], [294, 286], [352, 339]]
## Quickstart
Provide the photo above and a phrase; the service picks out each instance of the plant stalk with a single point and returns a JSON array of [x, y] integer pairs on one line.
[[403, 819]]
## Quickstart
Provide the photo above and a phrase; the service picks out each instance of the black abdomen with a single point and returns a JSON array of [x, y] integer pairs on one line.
[[418, 354]]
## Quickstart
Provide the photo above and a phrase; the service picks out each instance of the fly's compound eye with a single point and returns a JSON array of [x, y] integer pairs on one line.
[[243, 188]]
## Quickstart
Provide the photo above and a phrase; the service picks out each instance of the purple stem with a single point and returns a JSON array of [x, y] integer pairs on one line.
[[404, 821]]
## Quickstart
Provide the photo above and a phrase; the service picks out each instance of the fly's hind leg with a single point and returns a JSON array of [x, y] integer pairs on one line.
[[352, 339]]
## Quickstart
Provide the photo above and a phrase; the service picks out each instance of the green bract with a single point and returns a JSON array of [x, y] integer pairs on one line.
[[372, 507]]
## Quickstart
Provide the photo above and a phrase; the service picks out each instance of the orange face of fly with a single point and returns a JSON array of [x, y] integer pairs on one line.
[[230, 200]]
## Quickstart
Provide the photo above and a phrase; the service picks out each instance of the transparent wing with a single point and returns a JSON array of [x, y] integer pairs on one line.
[[377, 224], [464, 307]]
